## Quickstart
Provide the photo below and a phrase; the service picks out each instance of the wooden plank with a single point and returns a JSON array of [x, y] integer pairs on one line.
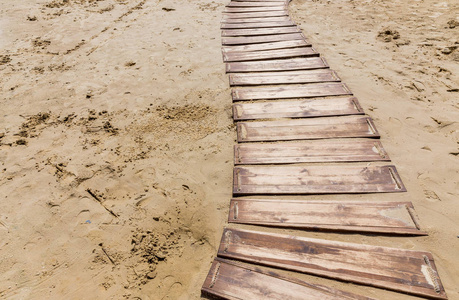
[[310, 151], [289, 77], [320, 107], [262, 38], [408, 271], [266, 46], [304, 63], [255, 20], [329, 179], [257, 25], [234, 281], [289, 92], [253, 9], [256, 4], [270, 54], [260, 31], [306, 129], [380, 217], [227, 16]]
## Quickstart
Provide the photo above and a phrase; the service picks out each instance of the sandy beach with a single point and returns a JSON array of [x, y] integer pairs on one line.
[[116, 138]]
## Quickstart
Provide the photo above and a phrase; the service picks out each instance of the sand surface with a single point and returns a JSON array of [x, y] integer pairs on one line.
[[116, 137]]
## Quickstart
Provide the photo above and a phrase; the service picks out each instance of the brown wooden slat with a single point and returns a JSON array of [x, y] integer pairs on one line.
[[304, 63], [329, 179], [253, 9], [320, 107], [262, 38], [257, 25], [382, 217], [407, 271], [289, 92], [289, 77], [256, 4], [267, 14], [256, 20], [266, 46], [234, 281], [260, 31], [306, 129], [270, 54], [310, 151]]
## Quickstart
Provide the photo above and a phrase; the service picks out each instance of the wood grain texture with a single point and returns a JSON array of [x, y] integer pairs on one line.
[[287, 23], [290, 92], [288, 77], [329, 179], [235, 40], [255, 20], [266, 46], [260, 31], [270, 54], [253, 9], [408, 271], [310, 151], [256, 4], [316, 107], [380, 217], [306, 129], [227, 16], [234, 281], [304, 63]]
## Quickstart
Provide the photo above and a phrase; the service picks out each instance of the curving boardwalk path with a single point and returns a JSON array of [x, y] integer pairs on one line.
[[300, 131]]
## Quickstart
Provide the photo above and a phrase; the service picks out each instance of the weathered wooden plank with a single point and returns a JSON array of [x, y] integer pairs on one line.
[[260, 31], [382, 217], [256, 20], [289, 77], [329, 179], [262, 38], [306, 129], [270, 54], [253, 9], [256, 4], [304, 63], [320, 107], [266, 46], [234, 281], [257, 25], [227, 16], [408, 271], [310, 151], [289, 92]]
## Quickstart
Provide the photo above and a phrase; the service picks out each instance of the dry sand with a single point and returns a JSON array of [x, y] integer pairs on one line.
[[116, 137]]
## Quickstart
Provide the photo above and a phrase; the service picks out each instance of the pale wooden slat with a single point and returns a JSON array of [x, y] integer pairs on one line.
[[266, 46], [289, 77], [407, 271], [287, 23], [306, 129], [304, 63], [320, 107], [310, 151], [382, 217], [253, 9], [256, 20], [228, 16], [256, 4], [286, 92], [329, 179], [270, 54], [262, 38], [234, 281], [260, 31]]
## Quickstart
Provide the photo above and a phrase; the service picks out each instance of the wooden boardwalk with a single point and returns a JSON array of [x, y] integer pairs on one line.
[[301, 131]]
